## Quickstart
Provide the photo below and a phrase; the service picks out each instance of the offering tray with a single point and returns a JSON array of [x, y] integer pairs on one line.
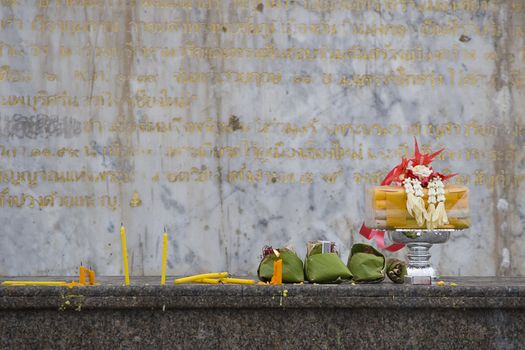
[[419, 242]]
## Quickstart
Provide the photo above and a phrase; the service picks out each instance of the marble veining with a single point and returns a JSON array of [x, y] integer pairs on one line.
[[222, 222]]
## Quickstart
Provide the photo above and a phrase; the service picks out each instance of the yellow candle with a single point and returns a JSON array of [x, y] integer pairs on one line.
[[208, 281], [277, 279], [201, 277], [35, 283], [91, 276], [82, 275], [237, 281], [124, 254], [164, 258]]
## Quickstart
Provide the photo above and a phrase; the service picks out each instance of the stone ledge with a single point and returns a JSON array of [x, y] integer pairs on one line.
[[485, 293], [479, 314]]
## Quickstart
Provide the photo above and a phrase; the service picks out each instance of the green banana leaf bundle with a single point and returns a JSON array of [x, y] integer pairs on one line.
[[322, 267], [292, 265], [396, 270], [366, 263]]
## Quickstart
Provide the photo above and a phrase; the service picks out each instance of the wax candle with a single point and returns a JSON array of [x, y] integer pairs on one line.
[[208, 281], [124, 254], [201, 277], [35, 283], [277, 272], [237, 281], [91, 276], [164, 257], [82, 275]]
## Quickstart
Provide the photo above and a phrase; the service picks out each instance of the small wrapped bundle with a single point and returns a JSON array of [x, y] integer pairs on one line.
[[396, 270], [292, 265], [366, 263], [323, 264]]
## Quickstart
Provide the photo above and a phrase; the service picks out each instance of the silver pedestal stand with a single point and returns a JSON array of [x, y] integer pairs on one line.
[[419, 242]]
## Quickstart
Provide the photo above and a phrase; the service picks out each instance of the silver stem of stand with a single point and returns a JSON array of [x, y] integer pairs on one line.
[[419, 260]]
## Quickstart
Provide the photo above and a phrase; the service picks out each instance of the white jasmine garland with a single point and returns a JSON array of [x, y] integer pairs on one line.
[[415, 202], [408, 186], [432, 200], [421, 171], [436, 215], [440, 215], [418, 189]]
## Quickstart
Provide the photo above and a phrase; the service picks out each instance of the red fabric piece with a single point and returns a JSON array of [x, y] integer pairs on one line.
[[394, 173], [379, 237], [423, 159], [443, 177]]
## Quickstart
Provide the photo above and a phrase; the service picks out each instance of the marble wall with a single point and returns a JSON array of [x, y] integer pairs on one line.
[[241, 123]]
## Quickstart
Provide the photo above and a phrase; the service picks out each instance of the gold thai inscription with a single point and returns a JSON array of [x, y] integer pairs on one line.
[[258, 146], [23, 200]]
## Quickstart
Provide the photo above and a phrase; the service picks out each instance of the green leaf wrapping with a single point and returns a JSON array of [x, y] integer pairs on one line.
[[366, 264], [317, 248], [396, 270], [326, 268], [292, 267]]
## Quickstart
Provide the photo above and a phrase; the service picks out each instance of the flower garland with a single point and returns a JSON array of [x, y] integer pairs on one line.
[[415, 202], [435, 215], [415, 174]]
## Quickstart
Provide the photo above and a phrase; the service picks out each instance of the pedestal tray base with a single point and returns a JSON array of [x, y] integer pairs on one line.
[[419, 242]]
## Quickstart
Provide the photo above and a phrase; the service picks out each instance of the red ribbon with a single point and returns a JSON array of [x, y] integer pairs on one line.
[[379, 237]]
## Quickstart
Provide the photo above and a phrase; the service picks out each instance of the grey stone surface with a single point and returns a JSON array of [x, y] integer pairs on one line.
[[502, 293], [478, 313], [263, 328], [231, 162]]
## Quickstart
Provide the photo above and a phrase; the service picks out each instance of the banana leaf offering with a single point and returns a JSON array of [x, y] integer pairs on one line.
[[396, 270], [366, 263], [292, 265], [323, 264]]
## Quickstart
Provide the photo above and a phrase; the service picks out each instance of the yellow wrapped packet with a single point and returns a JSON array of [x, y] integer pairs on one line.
[[386, 208]]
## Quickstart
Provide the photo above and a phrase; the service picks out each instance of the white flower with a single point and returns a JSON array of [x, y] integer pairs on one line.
[[421, 171]]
